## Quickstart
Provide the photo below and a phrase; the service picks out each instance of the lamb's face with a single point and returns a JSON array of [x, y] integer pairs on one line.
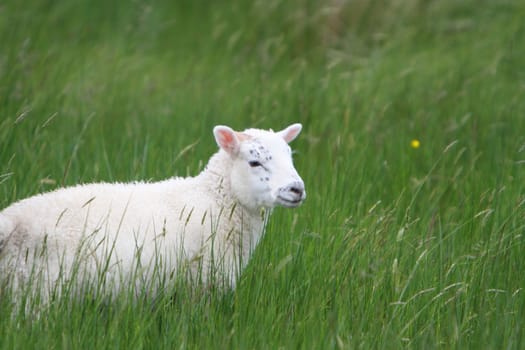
[[262, 173]]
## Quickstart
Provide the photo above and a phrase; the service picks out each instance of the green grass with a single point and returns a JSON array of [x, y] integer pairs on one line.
[[395, 247]]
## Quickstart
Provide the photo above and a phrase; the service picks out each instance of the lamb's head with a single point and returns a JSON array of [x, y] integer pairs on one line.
[[262, 172]]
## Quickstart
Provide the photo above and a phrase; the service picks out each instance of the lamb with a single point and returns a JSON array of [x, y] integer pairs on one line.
[[122, 233]]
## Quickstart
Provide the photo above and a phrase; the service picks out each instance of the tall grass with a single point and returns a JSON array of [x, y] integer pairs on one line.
[[394, 247]]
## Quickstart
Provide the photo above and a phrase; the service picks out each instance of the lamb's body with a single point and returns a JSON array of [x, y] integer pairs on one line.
[[125, 230], [181, 218]]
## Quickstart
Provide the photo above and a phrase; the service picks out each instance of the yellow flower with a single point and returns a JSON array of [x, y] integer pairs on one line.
[[415, 143]]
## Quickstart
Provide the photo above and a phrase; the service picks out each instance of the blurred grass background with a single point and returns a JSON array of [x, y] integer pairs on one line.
[[395, 247]]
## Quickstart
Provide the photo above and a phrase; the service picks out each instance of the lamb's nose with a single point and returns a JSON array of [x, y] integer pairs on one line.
[[297, 188]]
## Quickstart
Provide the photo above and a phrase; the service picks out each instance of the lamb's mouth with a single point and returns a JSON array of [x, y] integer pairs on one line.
[[289, 203]]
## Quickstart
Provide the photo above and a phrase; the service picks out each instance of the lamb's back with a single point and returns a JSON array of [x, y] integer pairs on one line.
[[129, 211]]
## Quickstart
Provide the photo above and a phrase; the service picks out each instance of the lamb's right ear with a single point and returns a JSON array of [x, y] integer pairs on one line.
[[226, 139]]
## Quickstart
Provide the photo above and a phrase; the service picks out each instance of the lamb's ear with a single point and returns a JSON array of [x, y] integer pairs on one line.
[[291, 132], [226, 139]]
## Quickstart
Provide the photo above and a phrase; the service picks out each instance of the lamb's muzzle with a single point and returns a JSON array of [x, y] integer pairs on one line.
[[292, 195]]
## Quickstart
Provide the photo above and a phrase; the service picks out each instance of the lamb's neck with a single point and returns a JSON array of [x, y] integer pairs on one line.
[[217, 178]]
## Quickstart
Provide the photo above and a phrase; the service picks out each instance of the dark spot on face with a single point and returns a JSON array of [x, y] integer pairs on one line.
[[254, 153], [267, 178]]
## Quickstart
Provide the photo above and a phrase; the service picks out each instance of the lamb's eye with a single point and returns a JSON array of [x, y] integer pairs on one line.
[[254, 163]]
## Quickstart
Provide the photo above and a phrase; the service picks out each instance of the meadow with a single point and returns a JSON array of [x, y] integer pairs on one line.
[[398, 245]]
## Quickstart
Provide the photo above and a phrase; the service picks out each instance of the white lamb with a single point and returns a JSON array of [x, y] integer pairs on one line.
[[127, 233]]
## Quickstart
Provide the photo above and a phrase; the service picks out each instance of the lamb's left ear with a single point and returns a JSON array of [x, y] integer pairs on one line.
[[226, 138], [291, 132]]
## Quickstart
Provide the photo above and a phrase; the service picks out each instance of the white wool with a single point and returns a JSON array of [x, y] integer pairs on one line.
[[210, 222]]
